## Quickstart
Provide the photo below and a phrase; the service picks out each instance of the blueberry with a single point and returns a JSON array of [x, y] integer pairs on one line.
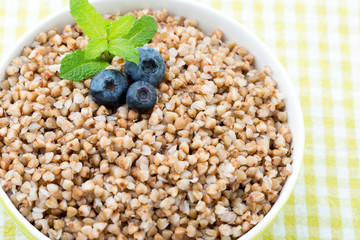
[[141, 96], [108, 87], [151, 67]]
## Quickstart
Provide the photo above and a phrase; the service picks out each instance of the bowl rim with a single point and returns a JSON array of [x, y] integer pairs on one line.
[[32, 233]]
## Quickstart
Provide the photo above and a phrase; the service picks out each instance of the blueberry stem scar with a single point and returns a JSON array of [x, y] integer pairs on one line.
[[143, 94], [109, 85], [149, 66]]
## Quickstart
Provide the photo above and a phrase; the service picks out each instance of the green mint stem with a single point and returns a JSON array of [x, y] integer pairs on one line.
[[108, 56]]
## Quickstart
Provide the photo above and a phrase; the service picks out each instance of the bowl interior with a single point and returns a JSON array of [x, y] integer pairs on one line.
[[208, 20]]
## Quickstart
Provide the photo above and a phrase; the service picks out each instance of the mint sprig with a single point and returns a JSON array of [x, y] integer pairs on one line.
[[108, 39]]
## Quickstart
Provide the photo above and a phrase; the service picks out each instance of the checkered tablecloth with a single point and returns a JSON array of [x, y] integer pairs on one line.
[[318, 42]]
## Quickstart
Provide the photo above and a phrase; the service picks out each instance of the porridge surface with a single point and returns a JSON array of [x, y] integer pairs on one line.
[[208, 162]]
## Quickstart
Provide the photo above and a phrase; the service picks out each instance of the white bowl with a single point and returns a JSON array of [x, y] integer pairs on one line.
[[209, 20]]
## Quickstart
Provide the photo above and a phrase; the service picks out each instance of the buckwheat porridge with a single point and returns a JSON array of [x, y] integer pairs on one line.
[[208, 162]]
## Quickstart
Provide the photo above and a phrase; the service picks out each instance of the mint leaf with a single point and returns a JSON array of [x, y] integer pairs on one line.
[[88, 19], [95, 48], [120, 37], [124, 48], [107, 23], [75, 67], [121, 26], [143, 31]]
